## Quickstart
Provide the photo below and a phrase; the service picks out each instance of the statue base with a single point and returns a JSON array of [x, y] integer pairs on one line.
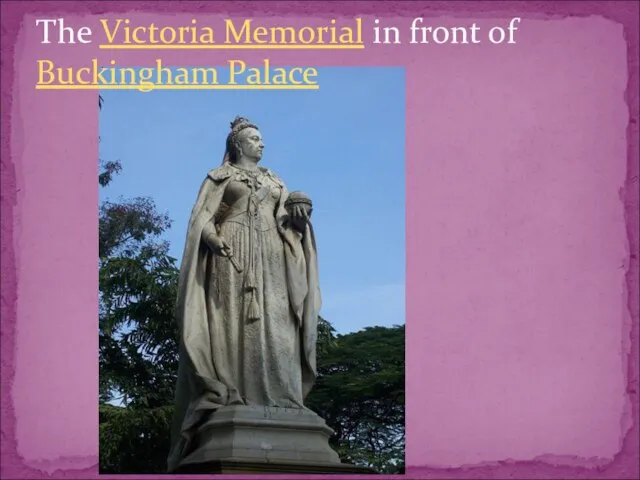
[[251, 439]]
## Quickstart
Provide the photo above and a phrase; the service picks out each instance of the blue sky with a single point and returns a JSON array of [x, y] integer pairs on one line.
[[344, 145]]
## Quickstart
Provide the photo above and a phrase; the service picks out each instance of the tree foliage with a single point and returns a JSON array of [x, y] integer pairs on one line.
[[360, 393], [138, 285], [134, 440]]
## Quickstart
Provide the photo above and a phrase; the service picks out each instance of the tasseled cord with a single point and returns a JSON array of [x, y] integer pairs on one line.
[[253, 312], [254, 309]]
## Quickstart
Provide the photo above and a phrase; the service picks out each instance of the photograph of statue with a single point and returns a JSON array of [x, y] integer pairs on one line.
[[252, 324]]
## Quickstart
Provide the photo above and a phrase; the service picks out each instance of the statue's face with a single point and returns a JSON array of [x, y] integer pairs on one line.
[[251, 144]]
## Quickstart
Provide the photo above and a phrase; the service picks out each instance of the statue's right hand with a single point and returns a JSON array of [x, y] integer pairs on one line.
[[219, 245]]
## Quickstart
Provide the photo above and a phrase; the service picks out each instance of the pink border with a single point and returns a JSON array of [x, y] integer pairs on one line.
[[626, 13]]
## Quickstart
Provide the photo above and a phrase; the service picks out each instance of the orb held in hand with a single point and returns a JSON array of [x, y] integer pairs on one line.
[[298, 199]]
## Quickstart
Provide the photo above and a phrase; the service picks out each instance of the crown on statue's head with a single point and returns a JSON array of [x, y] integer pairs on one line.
[[240, 123]]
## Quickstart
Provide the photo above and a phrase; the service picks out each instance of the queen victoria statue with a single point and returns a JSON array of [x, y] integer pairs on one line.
[[247, 311]]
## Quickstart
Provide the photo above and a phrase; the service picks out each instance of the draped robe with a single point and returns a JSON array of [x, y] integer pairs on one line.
[[214, 327]]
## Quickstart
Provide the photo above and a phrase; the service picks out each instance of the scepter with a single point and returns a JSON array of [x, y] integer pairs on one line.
[[230, 254]]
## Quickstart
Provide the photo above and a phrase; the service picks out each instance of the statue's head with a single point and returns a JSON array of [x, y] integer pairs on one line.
[[244, 140]]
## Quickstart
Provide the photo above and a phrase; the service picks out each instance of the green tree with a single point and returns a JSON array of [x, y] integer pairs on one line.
[[137, 335], [360, 393]]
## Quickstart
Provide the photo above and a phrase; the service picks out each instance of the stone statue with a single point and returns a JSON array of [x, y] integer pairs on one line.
[[247, 309]]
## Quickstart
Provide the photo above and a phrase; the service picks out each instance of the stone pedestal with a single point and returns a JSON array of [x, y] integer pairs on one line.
[[247, 439]]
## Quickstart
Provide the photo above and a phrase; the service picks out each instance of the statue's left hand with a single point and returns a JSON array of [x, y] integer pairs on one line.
[[300, 216]]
